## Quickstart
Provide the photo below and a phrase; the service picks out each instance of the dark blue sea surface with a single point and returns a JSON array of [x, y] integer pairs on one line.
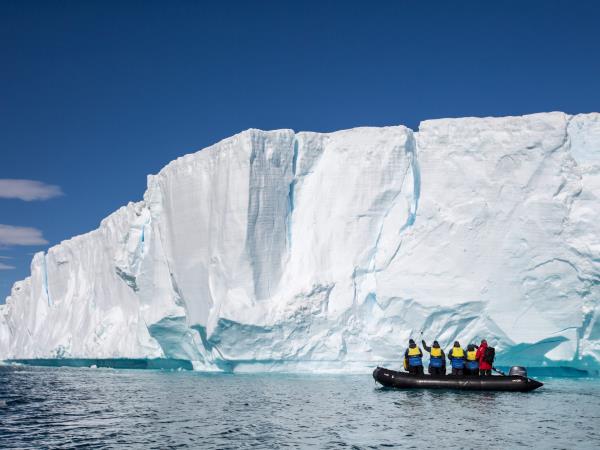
[[106, 408]]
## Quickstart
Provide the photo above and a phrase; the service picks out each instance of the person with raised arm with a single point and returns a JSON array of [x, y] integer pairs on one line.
[[437, 359]]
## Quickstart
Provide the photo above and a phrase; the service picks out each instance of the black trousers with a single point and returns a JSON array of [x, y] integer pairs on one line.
[[471, 371], [415, 370], [458, 372], [437, 370], [486, 372]]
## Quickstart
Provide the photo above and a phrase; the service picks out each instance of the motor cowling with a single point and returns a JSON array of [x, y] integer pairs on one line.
[[518, 371]]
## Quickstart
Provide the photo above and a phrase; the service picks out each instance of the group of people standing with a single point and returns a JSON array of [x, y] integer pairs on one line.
[[476, 360]]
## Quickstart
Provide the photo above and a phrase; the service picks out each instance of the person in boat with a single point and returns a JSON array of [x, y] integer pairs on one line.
[[457, 359], [485, 356], [471, 362], [437, 359], [413, 359]]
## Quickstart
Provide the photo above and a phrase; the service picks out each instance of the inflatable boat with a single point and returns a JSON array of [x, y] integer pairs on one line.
[[511, 382]]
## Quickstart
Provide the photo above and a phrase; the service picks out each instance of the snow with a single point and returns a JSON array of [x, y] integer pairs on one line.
[[326, 252]]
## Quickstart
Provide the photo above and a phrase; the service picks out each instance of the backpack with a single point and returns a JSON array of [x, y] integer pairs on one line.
[[489, 355]]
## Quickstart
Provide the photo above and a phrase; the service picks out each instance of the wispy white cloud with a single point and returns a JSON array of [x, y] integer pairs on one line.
[[28, 190], [11, 235], [5, 266]]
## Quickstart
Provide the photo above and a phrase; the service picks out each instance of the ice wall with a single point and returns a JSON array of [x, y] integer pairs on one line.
[[309, 251]]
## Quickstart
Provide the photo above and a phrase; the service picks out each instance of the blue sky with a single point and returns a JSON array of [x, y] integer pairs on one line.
[[96, 95]]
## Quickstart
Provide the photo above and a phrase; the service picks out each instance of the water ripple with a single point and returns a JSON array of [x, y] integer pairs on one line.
[[102, 408]]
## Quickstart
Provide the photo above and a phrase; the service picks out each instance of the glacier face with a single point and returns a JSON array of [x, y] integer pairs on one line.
[[308, 251]]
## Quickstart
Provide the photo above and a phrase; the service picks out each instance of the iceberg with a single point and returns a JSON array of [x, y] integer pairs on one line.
[[276, 250]]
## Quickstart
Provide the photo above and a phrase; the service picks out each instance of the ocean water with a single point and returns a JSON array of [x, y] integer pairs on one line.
[[106, 408]]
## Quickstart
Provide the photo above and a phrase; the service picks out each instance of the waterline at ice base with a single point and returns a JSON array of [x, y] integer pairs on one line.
[[326, 252]]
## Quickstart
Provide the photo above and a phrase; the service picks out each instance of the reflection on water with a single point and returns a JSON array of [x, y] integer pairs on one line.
[[50, 407]]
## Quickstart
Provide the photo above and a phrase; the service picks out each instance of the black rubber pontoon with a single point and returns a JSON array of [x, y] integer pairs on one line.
[[403, 380]]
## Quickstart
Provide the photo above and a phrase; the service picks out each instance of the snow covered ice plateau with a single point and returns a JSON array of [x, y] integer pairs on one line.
[[276, 250]]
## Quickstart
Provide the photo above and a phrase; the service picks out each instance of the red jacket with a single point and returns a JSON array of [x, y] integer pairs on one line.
[[480, 352]]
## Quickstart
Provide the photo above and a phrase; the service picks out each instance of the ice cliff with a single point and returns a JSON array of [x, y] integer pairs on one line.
[[309, 251]]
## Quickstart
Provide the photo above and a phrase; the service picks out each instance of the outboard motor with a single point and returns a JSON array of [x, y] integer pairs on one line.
[[518, 371]]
